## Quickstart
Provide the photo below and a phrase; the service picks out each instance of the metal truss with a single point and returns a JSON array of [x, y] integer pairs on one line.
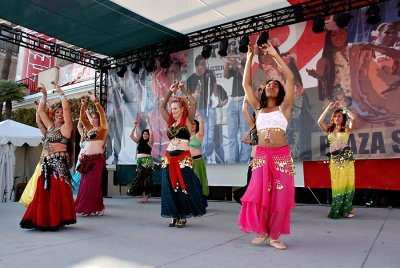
[[100, 86], [20, 38], [268, 20]]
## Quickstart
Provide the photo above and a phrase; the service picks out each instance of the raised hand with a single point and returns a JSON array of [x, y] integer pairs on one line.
[[268, 49], [42, 88], [174, 87], [331, 104]]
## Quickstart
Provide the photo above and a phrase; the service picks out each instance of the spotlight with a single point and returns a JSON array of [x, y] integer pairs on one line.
[[243, 44], [164, 61], [121, 71], [206, 52], [343, 20], [150, 64], [135, 67], [318, 25], [262, 38], [223, 47], [373, 14]]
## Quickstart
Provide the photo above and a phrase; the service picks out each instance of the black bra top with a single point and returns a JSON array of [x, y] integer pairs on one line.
[[143, 148], [90, 135], [180, 132], [53, 135]]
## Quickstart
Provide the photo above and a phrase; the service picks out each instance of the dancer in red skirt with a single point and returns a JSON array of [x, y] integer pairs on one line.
[[52, 206], [92, 162]]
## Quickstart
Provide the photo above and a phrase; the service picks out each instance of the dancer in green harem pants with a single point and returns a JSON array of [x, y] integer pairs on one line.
[[341, 160]]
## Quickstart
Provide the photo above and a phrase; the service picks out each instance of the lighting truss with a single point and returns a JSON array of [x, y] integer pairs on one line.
[[268, 20], [20, 38]]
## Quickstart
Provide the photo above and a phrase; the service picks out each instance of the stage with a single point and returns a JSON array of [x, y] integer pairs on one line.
[[135, 235]]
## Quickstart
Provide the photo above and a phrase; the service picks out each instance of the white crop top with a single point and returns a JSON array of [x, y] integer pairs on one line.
[[274, 119]]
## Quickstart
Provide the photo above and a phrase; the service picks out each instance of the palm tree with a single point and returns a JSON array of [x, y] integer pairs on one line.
[[10, 91]]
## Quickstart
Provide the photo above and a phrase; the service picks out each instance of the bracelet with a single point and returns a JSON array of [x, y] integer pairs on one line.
[[62, 97], [43, 100]]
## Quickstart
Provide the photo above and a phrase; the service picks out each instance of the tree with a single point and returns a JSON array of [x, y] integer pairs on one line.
[[10, 91]]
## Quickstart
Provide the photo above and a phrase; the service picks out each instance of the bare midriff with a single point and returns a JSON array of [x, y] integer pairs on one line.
[[277, 138], [93, 147], [195, 151], [178, 144], [337, 145], [142, 155], [56, 148]]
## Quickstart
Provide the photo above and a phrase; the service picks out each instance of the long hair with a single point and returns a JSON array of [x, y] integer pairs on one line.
[[183, 104], [141, 140], [343, 125], [279, 99], [197, 125]]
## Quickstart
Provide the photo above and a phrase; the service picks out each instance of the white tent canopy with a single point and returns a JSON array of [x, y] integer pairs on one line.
[[21, 142], [18, 134]]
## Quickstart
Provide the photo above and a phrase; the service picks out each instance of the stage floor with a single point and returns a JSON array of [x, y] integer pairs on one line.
[[135, 235]]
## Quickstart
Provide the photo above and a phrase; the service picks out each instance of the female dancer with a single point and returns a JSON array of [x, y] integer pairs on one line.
[[252, 139], [341, 160], [53, 205], [92, 161], [181, 192], [143, 181], [269, 198], [199, 165]]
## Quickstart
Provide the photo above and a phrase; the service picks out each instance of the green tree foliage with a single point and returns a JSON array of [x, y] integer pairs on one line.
[[10, 91]]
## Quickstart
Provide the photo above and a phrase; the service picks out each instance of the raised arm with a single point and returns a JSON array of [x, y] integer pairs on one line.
[[82, 115], [100, 110], [287, 103], [200, 134], [67, 127], [252, 98], [39, 123], [190, 101], [164, 101], [80, 127], [132, 135], [351, 118], [321, 119], [151, 138], [44, 117], [246, 114]]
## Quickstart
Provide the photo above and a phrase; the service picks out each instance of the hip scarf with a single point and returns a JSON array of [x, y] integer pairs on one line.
[[55, 163], [277, 158], [146, 162], [341, 157], [87, 162], [175, 163]]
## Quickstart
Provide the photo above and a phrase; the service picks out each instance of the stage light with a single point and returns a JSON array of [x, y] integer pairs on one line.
[[121, 71], [136, 66], [206, 52], [318, 25], [373, 14], [243, 44], [262, 38], [223, 47], [164, 61], [150, 64], [342, 20]]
